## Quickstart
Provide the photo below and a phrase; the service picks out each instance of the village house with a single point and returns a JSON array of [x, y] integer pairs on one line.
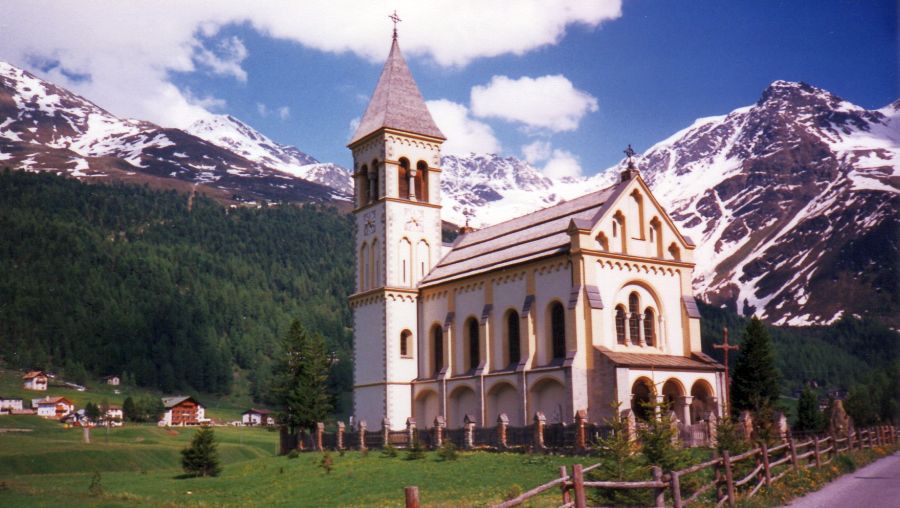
[[8, 405], [114, 415], [35, 380], [254, 416], [575, 307], [182, 410], [111, 380], [53, 407]]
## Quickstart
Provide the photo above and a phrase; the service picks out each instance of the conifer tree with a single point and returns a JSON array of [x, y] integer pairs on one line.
[[302, 379], [129, 412], [809, 418], [201, 458], [755, 382]]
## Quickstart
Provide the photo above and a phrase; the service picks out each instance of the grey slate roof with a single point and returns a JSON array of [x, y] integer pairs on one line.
[[170, 402], [397, 102], [531, 236]]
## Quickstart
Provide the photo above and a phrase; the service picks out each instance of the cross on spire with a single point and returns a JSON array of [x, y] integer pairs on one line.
[[396, 19], [726, 347], [630, 153]]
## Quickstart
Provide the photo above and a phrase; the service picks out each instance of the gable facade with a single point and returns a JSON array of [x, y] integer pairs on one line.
[[575, 307]]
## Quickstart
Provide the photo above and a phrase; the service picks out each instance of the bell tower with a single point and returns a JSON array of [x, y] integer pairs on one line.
[[396, 172]]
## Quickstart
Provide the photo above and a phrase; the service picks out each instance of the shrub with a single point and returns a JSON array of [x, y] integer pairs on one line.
[[448, 451], [515, 490], [201, 458], [388, 451], [293, 454], [327, 463], [96, 487], [416, 451]]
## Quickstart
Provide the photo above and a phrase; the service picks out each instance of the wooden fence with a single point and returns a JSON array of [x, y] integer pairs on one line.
[[741, 475]]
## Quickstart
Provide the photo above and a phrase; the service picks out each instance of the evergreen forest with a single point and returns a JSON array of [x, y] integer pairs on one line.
[[179, 294]]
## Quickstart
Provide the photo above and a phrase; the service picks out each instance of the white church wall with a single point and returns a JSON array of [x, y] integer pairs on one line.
[[551, 284], [368, 325], [433, 311], [509, 294], [469, 304]]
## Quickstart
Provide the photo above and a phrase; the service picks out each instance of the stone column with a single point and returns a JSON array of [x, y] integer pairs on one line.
[[539, 422], [339, 439], [320, 433], [502, 426], [580, 431], [469, 425], [642, 341], [411, 430], [686, 401], [412, 184], [362, 435], [385, 431], [439, 425]]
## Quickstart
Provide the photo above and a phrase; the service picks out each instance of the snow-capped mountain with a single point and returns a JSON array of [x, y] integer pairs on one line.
[[792, 202], [228, 132], [44, 127]]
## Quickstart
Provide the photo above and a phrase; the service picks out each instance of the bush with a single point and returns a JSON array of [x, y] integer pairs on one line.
[[388, 452], [327, 463], [448, 451], [96, 487], [201, 458], [416, 451], [515, 490], [293, 454]]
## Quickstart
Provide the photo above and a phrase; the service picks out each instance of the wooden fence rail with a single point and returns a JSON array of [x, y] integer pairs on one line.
[[759, 467]]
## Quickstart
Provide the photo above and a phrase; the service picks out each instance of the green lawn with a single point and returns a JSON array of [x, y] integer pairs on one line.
[[139, 465]]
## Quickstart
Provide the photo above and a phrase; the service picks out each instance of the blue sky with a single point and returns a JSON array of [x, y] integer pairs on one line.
[[634, 73]]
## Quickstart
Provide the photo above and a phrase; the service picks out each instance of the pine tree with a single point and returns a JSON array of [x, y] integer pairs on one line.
[[91, 411], [129, 412], [201, 458], [809, 418], [302, 379], [755, 382]]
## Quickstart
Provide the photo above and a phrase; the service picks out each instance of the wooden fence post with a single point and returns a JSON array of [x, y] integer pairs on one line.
[[578, 480], [816, 451], [834, 444], [412, 497], [765, 459], [675, 483], [793, 449], [659, 493], [729, 479], [566, 498]]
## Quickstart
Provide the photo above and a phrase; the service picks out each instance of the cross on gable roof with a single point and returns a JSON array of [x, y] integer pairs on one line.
[[397, 102]]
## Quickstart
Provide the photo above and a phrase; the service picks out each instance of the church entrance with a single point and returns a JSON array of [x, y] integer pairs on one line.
[[642, 394]]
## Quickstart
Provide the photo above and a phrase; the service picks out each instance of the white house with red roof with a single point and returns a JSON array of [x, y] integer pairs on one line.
[[35, 380], [570, 308], [254, 416], [53, 407]]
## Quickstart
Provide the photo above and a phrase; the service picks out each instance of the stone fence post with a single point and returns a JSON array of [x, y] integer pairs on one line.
[[385, 431], [502, 426], [362, 435], [439, 425], [712, 429], [580, 431], [320, 432], [540, 421], [411, 430], [469, 423], [339, 439]]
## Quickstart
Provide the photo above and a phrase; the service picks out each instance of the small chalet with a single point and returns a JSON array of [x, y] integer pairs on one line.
[[182, 411], [8, 405], [254, 416], [111, 380], [114, 414], [35, 380], [53, 407]]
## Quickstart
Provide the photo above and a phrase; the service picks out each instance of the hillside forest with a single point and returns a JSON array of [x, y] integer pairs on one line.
[[182, 294]]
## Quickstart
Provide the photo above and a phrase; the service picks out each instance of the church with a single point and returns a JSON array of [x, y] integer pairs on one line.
[[575, 307]]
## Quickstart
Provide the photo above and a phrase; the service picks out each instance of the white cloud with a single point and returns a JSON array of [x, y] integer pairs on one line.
[[562, 164], [547, 102], [283, 112], [464, 133], [537, 151], [128, 50]]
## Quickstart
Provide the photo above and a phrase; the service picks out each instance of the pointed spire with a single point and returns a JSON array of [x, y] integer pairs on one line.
[[397, 102]]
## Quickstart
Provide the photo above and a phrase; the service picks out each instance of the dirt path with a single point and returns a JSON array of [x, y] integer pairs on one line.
[[874, 486]]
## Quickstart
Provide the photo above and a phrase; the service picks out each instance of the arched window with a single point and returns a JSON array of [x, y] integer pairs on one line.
[[362, 181], [406, 346], [422, 181], [403, 179], [376, 261], [620, 325], [405, 262], [512, 335], [423, 259], [649, 327], [620, 232], [639, 204], [437, 339], [675, 252], [634, 318], [558, 330], [656, 236], [615, 228], [474, 345], [375, 179], [363, 267]]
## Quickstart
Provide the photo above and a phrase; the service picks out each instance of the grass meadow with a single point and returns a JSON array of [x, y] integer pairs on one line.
[[139, 465]]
